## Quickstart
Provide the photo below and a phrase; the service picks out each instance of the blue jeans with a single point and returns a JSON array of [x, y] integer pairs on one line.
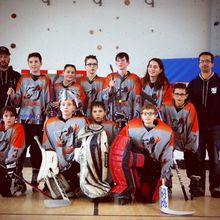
[[209, 138]]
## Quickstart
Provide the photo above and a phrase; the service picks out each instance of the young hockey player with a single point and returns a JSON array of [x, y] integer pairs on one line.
[[145, 143], [155, 86], [92, 83], [61, 136], [68, 83], [95, 178], [12, 143], [32, 95], [121, 92], [181, 115], [98, 113]]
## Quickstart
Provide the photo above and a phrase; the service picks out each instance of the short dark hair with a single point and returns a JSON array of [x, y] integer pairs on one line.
[[149, 107], [90, 57], [207, 53], [35, 54], [98, 104], [122, 55], [9, 109], [180, 86], [69, 65]]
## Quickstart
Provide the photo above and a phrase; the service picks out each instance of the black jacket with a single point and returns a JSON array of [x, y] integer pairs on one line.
[[205, 95], [7, 78]]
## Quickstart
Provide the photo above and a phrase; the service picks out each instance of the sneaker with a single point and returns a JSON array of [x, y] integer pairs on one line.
[[215, 192], [194, 188]]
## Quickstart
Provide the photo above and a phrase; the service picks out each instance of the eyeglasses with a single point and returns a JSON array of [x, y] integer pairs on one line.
[[148, 113], [205, 61], [179, 94], [91, 64]]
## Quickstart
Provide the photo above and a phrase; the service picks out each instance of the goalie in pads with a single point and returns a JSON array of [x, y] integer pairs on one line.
[[60, 140], [95, 178]]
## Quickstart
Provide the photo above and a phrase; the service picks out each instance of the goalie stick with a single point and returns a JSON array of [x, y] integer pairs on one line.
[[54, 203], [164, 201]]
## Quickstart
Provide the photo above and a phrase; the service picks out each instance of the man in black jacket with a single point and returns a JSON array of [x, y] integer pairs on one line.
[[8, 77], [204, 93]]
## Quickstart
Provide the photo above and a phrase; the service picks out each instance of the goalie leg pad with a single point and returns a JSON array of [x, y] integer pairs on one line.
[[123, 163], [94, 166]]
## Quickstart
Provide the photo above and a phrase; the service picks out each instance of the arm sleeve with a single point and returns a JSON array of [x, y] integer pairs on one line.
[[192, 131], [17, 144]]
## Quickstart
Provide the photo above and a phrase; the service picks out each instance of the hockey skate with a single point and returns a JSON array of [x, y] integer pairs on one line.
[[215, 192], [194, 187]]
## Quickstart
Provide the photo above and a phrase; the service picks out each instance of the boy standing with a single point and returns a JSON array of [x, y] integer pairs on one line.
[[32, 95], [12, 144], [92, 83], [121, 91], [181, 115]]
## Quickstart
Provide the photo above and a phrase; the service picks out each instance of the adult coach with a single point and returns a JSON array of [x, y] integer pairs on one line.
[[204, 93], [8, 77]]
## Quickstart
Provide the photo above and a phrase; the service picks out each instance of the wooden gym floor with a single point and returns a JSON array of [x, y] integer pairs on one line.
[[31, 206]]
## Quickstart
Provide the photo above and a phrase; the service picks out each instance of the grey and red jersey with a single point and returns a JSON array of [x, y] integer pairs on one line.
[[93, 89], [75, 88], [111, 129], [184, 123], [157, 142], [32, 95], [62, 136], [12, 143], [158, 95], [126, 97]]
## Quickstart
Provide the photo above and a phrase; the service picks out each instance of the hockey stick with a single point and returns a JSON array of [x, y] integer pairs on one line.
[[6, 102], [54, 203], [180, 179], [112, 91], [164, 201], [31, 185]]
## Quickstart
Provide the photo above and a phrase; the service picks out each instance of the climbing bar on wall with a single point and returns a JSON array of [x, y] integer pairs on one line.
[[98, 2], [150, 2]]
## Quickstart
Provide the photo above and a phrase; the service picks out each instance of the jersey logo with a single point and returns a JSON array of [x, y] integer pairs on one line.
[[178, 125], [33, 92], [214, 90]]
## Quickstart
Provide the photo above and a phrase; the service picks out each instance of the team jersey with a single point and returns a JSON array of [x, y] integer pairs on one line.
[[184, 124], [62, 137], [12, 143], [126, 97], [75, 89], [111, 129], [93, 89], [32, 95], [158, 95], [157, 142]]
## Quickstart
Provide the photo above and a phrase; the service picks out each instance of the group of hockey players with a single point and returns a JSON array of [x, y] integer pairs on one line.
[[108, 138]]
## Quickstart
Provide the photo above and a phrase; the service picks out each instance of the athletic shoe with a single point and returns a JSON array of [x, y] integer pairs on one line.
[[194, 188], [215, 192]]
